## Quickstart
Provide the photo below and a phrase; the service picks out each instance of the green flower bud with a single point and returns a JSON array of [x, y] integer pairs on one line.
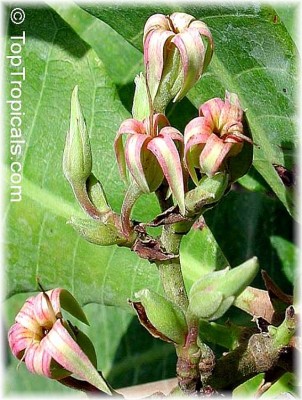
[[160, 317], [77, 159], [208, 191], [97, 232], [213, 294]]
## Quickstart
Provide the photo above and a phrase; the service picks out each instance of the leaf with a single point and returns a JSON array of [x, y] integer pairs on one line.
[[288, 254], [248, 388], [122, 61], [200, 254], [244, 63]]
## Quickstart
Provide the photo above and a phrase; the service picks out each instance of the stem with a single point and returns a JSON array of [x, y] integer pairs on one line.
[[80, 192], [188, 361], [132, 194], [170, 270]]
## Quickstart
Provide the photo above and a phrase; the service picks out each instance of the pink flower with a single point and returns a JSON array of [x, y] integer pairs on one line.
[[214, 136], [177, 50], [151, 154], [49, 345]]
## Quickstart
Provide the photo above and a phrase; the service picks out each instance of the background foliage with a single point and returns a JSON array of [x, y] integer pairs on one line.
[[99, 48]]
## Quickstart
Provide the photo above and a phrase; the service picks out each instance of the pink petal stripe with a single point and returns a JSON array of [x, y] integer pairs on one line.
[[132, 126], [120, 155], [26, 316], [38, 360], [133, 149], [67, 353], [167, 156], [192, 53], [211, 110], [154, 46], [19, 338]]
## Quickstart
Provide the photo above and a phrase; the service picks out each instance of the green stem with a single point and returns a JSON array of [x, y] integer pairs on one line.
[[170, 270], [80, 192], [131, 196]]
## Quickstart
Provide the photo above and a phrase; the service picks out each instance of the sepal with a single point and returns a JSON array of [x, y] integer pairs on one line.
[[160, 317]]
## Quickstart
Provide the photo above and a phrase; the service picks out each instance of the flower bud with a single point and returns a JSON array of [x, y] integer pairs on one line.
[[51, 346], [77, 158], [177, 50], [214, 293], [160, 317], [208, 192], [151, 154], [213, 139], [97, 232]]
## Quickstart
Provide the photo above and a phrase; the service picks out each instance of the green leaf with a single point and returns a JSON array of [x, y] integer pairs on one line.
[[122, 61], [243, 62], [288, 255], [248, 388]]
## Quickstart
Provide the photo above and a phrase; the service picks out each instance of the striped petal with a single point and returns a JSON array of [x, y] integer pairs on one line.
[[156, 21], [134, 146], [66, 352], [173, 133], [192, 53], [19, 338], [48, 305], [26, 317], [211, 110], [205, 32], [213, 155], [154, 53], [129, 126], [167, 156]]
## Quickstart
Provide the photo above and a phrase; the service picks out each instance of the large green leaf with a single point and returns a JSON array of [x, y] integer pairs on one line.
[[254, 57]]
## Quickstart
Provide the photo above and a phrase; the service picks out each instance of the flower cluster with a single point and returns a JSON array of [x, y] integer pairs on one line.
[[177, 50]]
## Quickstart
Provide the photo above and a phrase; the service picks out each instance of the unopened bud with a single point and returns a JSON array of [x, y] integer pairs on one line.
[[177, 50], [77, 159], [160, 317], [214, 293]]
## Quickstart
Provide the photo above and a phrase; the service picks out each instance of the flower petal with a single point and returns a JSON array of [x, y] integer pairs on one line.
[[129, 126], [44, 310], [213, 154], [154, 45], [134, 145], [167, 156], [211, 110], [26, 317], [192, 53], [61, 346], [19, 338]]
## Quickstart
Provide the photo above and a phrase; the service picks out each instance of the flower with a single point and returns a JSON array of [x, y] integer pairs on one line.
[[214, 136], [150, 154], [177, 50], [50, 346]]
